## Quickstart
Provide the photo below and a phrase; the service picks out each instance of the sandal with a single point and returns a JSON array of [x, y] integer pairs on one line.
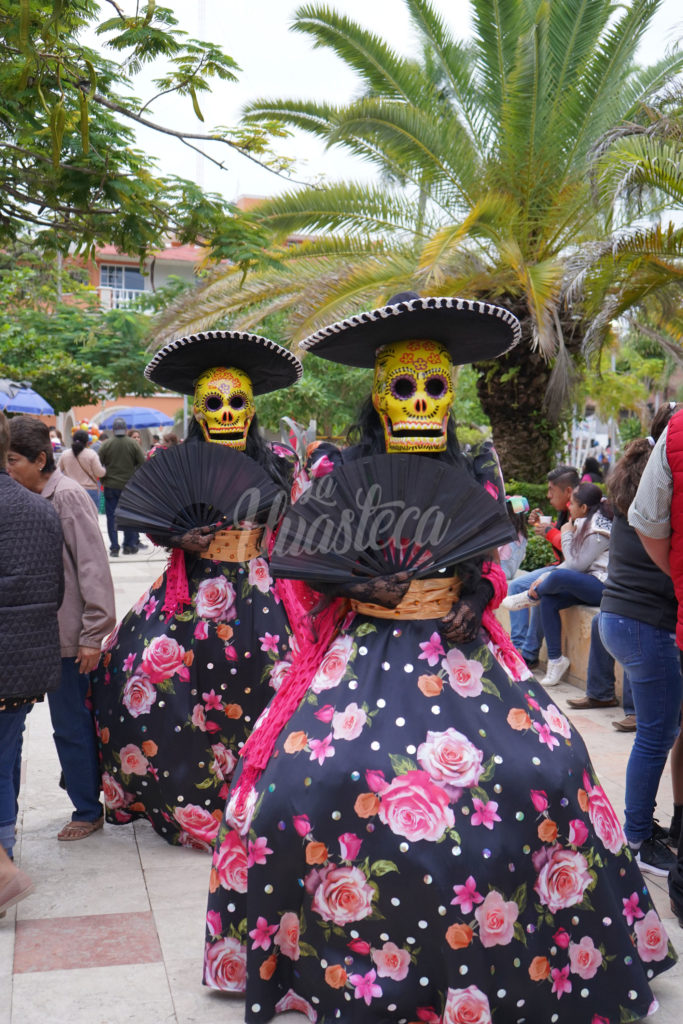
[[79, 829]]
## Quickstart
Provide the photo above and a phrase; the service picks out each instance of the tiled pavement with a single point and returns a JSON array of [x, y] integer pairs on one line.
[[113, 933]]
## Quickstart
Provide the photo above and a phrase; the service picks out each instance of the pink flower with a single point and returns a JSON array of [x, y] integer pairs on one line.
[[376, 780], [213, 922], [414, 807], [261, 933], [321, 467], [561, 938], [215, 599], [230, 862], [230, 652], [212, 702], [562, 879], [223, 764], [349, 845], [302, 825], [201, 631], [133, 761], [320, 749], [451, 760], [545, 736], [138, 694], [269, 642], [557, 721], [496, 919], [115, 795], [466, 895], [602, 816], [561, 982], [463, 676], [359, 946], [631, 909], [197, 822], [257, 851], [364, 985], [278, 673], [584, 958], [432, 650], [139, 605], [287, 937], [652, 942], [129, 661], [539, 799], [485, 813], [578, 832], [597, 1019], [292, 1001], [333, 666], [150, 607], [533, 703], [391, 962], [325, 713], [163, 658], [491, 488], [466, 1006], [259, 575], [343, 895], [199, 717], [428, 1014], [348, 724], [225, 965]]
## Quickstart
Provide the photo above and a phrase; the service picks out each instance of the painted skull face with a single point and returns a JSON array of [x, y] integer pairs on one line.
[[224, 405], [413, 393]]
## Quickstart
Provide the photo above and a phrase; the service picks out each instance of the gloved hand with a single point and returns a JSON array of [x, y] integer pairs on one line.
[[194, 540], [384, 590], [463, 621]]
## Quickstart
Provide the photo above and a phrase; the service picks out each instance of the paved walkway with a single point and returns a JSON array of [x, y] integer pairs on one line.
[[113, 933]]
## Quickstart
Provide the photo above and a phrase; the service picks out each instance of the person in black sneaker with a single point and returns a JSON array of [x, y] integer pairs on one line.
[[120, 456]]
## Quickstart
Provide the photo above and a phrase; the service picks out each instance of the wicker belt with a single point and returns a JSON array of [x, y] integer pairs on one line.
[[235, 545], [424, 599]]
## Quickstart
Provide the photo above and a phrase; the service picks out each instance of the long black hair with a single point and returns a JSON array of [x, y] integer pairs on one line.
[[79, 441], [595, 501], [280, 470]]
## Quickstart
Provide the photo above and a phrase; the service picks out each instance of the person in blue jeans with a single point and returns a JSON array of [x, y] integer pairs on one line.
[[600, 692], [526, 628]]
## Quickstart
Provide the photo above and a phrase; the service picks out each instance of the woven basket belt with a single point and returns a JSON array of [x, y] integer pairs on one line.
[[235, 545], [424, 599]]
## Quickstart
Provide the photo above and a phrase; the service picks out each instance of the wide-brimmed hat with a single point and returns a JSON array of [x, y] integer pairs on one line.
[[471, 330], [270, 366]]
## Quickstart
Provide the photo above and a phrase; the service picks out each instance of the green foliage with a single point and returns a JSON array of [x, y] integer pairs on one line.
[[328, 393], [630, 428], [69, 167], [535, 494], [538, 553]]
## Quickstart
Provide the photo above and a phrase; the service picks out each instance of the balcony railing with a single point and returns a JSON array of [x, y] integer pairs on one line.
[[118, 298]]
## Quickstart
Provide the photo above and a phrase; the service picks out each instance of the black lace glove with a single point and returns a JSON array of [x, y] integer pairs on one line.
[[384, 590], [463, 621], [194, 540]]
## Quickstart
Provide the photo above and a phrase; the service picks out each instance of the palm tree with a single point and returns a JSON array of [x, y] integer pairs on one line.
[[482, 150]]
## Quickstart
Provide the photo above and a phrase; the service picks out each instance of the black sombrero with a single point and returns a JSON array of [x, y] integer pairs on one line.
[[471, 330], [270, 366]]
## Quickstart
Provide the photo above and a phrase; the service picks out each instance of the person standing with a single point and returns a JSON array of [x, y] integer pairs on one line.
[[86, 616], [80, 463], [120, 456], [31, 589]]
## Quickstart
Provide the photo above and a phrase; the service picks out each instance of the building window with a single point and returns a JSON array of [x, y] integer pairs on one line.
[[121, 278]]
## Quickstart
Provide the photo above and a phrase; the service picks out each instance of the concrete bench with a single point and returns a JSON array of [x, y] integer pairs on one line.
[[576, 641]]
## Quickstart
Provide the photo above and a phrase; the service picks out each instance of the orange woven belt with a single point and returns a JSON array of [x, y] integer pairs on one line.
[[424, 599], [235, 545]]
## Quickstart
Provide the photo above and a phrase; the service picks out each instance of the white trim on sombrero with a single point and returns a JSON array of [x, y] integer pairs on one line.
[[255, 339], [414, 305]]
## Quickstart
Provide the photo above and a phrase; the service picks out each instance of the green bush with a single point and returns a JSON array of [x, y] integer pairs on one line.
[[538, 553], [535, 494]]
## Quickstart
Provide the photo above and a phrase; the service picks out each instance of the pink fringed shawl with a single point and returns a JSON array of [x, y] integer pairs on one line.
[[504, 649], [177, 590]]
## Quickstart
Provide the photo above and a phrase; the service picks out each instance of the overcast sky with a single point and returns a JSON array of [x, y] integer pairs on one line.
[[278, 63]]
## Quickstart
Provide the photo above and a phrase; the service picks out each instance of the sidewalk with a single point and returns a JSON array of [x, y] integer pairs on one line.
[[115, 926]]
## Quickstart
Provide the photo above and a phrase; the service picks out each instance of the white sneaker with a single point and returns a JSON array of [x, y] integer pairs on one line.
[[556, 668], [513, 602]]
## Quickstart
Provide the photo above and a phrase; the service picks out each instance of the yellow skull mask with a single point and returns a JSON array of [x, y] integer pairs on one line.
[[413, 393], [224, 405]]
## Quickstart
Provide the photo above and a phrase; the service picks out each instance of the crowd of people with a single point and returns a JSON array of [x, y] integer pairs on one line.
[[350, 732]]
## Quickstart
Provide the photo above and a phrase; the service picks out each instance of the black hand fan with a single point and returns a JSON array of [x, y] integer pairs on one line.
[[384, 514], [194, 485]]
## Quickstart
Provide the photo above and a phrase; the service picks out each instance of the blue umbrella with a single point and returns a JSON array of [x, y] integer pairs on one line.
[[136, 416], [24, 399]]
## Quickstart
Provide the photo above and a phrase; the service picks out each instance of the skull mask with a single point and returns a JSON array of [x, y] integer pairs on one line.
[[224, 405], [413, 392]]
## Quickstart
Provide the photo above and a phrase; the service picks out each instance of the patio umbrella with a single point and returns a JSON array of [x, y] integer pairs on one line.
[[136, 416], [20, 398]]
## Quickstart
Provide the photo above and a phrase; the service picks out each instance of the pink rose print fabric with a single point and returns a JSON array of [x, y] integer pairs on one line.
[[416, 850], [176, 697]]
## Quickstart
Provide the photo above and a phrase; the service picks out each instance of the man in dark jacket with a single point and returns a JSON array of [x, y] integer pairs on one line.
[[31, 590], [120, 456]]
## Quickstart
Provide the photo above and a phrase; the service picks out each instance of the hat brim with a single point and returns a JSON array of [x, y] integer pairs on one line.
[[270, 366], [472, 331]]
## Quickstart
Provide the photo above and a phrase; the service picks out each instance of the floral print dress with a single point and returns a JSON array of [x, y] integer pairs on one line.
[[177, 695], [429, 843]]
